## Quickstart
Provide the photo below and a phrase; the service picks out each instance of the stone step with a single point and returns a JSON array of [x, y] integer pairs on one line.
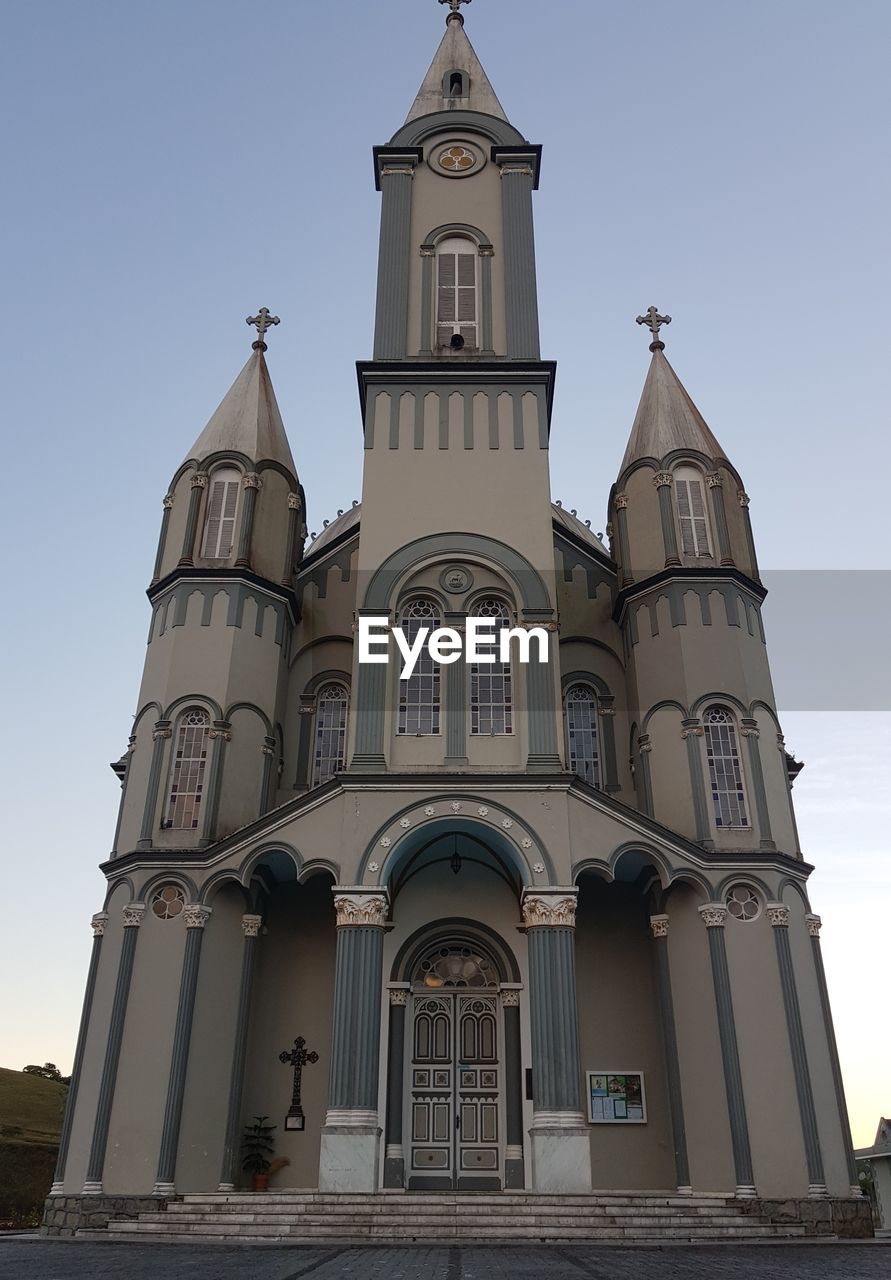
[[505, 1220], [163, 1233], [403, 1201], [258, 1206]]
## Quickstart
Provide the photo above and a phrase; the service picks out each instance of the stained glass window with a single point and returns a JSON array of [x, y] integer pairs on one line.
[[491, 694], [419, 695], [581, 733], [189, 762], [725, 769], [331, 723]]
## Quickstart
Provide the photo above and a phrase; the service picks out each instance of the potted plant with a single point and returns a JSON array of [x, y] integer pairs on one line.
[[257, 1146]]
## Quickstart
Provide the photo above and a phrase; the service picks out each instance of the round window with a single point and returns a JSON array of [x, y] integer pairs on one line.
[[457, 159], [168, 902], [743, 902]]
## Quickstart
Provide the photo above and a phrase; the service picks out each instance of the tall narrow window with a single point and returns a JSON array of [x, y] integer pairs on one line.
[[692, 516], [456, 301], [331, 723], [187, 777], [419, 696], [725, 769], [491, 698], [222, 508], [581, 733]]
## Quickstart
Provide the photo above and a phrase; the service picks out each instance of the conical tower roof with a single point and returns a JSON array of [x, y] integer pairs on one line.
[[667, 418], [456, 53], [248, 419]]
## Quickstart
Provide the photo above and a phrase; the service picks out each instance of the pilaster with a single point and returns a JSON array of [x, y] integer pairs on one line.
[[394, 1154], [778, 915], [251, 484], [162, 538], [713, 480], [518, 170], [160, 734], [659, 929], [663, 481], [250, 928], [199, 484], [395, 171], [714, 915]]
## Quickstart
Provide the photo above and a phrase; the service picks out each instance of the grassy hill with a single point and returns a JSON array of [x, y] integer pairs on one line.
[[30, 1120]]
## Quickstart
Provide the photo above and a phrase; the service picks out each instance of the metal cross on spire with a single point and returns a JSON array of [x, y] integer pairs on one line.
[[454, 8], [261, 322], [654, 323], [298, 1059]]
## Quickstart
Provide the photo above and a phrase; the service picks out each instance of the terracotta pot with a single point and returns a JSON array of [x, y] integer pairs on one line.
[[261, 1181]]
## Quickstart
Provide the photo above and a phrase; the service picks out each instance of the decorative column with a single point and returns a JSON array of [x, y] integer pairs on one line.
[[743, 500], [778, 915], [219, 734], [713, 480], [645, 787], [195, 918], [133, 916], [607, 712], [620, 503], [351, 1136], [541, 706], [251, 484], [713, 917], [131, 747], [487, 342], [561, 1149], [98, 922], [514, 1177], [517, 166], [663, 481], [162, 539], [199, 484], [395, 173], [291, 539], [250, 927], [813, 927], [748, 729], [691, 732], [394, 1155], [456, 699], [428, 262], [659, 929], [371, 700], [160, 734]]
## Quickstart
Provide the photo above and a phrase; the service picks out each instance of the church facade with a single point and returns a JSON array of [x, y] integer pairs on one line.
[[501, 926]]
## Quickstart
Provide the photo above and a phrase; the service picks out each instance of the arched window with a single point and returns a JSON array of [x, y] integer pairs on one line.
[[491, 695], [331, 723], [456, 293], [689, 496], [724, 768], [582, 747], [419, 695], [222, 508], [187, 774]]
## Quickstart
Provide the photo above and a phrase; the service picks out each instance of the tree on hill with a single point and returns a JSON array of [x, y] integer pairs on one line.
[[49, 1071]]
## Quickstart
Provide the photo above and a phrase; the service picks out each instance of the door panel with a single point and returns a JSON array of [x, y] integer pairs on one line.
[[455, 1103]]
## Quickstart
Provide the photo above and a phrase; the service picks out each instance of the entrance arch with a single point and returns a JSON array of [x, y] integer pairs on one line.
[[454, 1098]]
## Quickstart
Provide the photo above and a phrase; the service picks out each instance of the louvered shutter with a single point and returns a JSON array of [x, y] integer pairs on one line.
[[219, 525], [697, 510], [456, 295], [685, 518]]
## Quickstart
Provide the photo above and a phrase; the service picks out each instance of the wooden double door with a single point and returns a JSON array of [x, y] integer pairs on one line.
[[455, 1090]]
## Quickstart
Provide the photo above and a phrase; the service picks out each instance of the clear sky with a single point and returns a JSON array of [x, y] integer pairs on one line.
[[170, 167]]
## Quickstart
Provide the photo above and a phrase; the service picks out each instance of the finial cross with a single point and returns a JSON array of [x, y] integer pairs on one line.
[[454, 5], [297, 1058], [654, 323], [261, 322]]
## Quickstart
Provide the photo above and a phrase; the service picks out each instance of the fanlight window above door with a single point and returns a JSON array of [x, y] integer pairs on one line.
[[454, 966]]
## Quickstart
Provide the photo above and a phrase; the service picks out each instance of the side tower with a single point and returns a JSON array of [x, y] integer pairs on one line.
[[206, 742], [456, 407], [709, 756]]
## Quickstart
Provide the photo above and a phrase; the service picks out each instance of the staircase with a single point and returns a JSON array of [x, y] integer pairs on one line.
[[383, 1217]]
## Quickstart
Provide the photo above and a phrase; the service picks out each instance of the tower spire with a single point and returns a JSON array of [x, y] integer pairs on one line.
[[455, 14], [456, 79]]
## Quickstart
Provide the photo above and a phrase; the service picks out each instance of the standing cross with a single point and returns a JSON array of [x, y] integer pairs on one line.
[[454, 5], [654, 323], [261, 323], [298, 1059]]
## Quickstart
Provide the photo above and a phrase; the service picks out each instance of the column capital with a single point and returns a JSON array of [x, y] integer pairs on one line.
[[813, 924], [250, 925], [620, 501], [199, 480], [161, 730], [98, 923], [293, 501], [691, 728], [742, 498], [196, 917], [133, 915], [357, 906], [662, 478], [399, 996], [552, 908], [510, 997], [778, 914], [713, 480], [167, 501], [659, 926], [713, 915], [250, 480]]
